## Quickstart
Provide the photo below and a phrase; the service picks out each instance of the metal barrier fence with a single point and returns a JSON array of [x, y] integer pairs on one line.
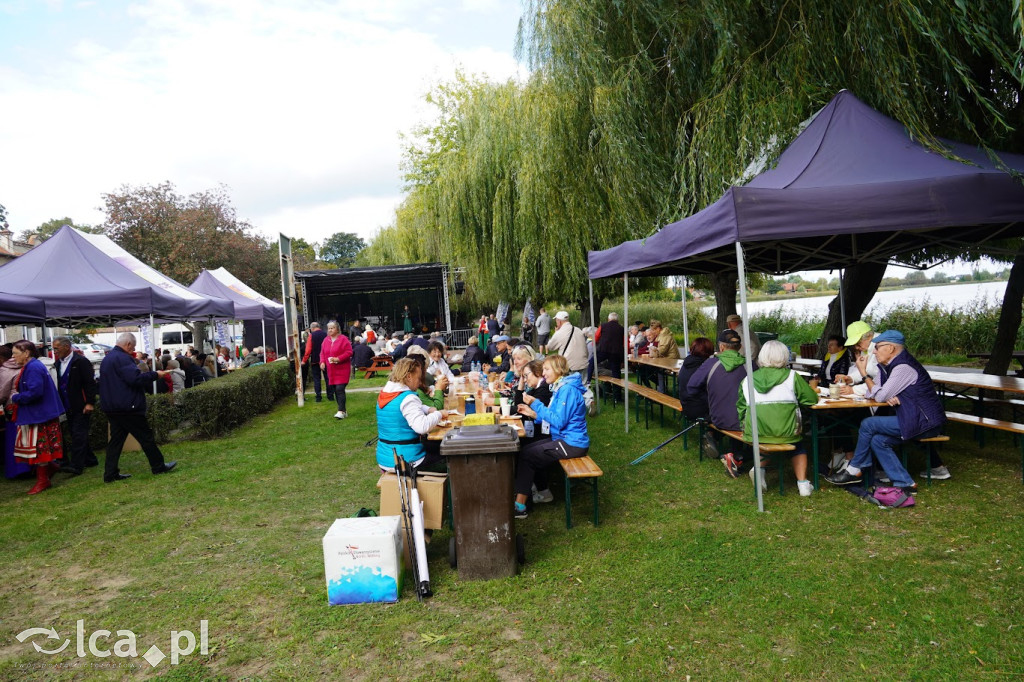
[[458, 338]]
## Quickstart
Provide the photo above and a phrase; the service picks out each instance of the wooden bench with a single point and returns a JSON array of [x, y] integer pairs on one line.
[[380, 364], [765, 448], [580, 469], [929, 448], [652, 396], [988, 423]]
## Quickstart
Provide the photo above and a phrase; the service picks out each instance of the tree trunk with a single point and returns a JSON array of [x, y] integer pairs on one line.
[[860, 283], [1009, 320], [724, 285], [584, 308]]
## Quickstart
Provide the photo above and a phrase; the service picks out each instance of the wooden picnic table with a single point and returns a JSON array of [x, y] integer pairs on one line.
[[1017, 355], [451, 402], [380, 363], [837, 409], [670, 365]]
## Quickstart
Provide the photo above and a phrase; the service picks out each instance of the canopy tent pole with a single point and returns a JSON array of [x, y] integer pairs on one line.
[[152, 346], [686, 323], [625, 345], [842, 302], [263, 324], [277, 348], [749, 364], [593, 321]]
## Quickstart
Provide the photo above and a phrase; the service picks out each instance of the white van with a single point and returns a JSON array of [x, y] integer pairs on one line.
[[174, 338]]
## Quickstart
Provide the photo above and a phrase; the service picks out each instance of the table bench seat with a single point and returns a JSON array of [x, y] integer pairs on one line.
[[582, 469], [989, 423]]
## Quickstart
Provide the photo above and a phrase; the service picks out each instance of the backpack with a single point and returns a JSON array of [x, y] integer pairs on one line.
[[886, 496]]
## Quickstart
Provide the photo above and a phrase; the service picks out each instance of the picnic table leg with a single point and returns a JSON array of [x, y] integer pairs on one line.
[[814, 447]]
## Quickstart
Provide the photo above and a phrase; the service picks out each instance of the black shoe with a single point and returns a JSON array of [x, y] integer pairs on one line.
[[166, 467], [68, 469], [844, 477], [117, 477], [319, 399]]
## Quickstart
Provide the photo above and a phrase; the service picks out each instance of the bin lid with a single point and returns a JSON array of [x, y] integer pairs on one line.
[[480, 440]]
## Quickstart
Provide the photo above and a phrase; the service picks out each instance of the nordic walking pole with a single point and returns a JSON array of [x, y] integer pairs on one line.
[[403, 494], [423, 574], [659, 447]]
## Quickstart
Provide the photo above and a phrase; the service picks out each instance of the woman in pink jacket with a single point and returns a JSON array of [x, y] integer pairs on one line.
[[336, 360]]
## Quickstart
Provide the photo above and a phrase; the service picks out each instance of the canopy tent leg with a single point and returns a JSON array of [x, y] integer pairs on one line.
[[625, 345], [152, 346], [686, 323], [263, 325], [749, 364], [593, 321], [842, 302]]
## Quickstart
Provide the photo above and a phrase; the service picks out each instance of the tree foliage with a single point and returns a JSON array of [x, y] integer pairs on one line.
[[639, 113], [180, 236], [341, 249], [50, 228]]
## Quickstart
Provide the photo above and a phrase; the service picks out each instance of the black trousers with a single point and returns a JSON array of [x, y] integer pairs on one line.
[[135, 424], [611, 362], [339, 394], [79, 453], [318, 374], [535, 458]]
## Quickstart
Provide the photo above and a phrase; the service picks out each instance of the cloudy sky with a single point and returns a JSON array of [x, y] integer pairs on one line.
[[295, 105]]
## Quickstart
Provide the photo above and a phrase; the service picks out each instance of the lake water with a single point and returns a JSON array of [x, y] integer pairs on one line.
[[948, 297]]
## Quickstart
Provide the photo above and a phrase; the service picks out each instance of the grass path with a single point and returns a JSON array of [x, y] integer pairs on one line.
[[683, 577]]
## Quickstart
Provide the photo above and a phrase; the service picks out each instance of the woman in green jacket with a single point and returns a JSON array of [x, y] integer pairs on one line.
[[779, 392]]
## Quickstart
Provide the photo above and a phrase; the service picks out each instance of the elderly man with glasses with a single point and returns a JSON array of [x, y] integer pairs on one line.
[[905, 384]]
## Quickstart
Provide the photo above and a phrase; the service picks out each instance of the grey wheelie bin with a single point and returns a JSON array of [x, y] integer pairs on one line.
[[481, 461]]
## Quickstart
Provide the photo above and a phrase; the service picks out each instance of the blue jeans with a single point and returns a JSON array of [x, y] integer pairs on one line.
[[877, 436]]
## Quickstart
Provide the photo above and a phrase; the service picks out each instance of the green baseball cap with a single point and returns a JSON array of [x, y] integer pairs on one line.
[[856, 330]]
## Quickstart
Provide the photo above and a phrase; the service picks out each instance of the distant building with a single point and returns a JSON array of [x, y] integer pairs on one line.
[[790, 287], [11, 249]]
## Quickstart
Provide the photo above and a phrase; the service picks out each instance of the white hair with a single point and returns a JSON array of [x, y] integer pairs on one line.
[[613, 316], [125, 338], [773, 354], [522, 352], [172, 364]]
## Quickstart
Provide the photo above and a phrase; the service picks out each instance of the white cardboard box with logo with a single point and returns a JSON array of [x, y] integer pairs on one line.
[[363, 560]]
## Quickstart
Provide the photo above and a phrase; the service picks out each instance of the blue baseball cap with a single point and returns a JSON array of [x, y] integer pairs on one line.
[[890, 336], [500, 337]]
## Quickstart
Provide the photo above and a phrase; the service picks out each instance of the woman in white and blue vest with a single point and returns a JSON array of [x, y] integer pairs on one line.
[[402, 418]]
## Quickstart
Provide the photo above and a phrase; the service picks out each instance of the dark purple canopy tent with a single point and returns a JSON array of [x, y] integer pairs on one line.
[[853, 187], [87, 279], [27, 309], [250, 305]]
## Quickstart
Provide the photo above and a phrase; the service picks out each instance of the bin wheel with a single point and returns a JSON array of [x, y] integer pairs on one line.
[[452, 559], [520, 549]]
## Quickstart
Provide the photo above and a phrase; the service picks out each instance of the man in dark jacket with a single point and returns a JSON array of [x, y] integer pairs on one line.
[[906, 385], [610, 336], [123, 399], [313, 343], [474, 353], [720, 378], [76, 385], [362, 355]]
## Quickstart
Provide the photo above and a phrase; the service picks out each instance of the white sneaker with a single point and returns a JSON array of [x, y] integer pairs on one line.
[[938, 473], [805, 488], [764, 483], [543, 497], [340, 415], [838, 457]]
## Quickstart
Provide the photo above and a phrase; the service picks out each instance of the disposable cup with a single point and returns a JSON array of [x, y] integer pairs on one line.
[[506, 409]]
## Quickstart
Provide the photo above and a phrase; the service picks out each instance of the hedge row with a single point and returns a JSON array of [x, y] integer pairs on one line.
[[212, 408]]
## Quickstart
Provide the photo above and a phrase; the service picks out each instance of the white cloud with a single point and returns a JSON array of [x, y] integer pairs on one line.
[[296, 107]]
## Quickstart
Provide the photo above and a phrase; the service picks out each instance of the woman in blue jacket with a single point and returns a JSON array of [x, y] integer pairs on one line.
[[37, 409], [566, 416]]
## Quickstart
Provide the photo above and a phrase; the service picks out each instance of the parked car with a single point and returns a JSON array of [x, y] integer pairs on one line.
[[92, 351]]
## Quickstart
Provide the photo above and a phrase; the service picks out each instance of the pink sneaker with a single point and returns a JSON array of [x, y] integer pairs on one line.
[[731, 467]]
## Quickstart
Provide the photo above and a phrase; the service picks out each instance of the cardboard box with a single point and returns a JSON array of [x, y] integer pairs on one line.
[[362, 560], [431, 487]]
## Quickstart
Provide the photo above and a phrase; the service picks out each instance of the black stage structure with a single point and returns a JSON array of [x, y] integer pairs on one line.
[[378, 295]]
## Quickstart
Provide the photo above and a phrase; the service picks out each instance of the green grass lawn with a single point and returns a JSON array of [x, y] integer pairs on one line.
[[682, 578]]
